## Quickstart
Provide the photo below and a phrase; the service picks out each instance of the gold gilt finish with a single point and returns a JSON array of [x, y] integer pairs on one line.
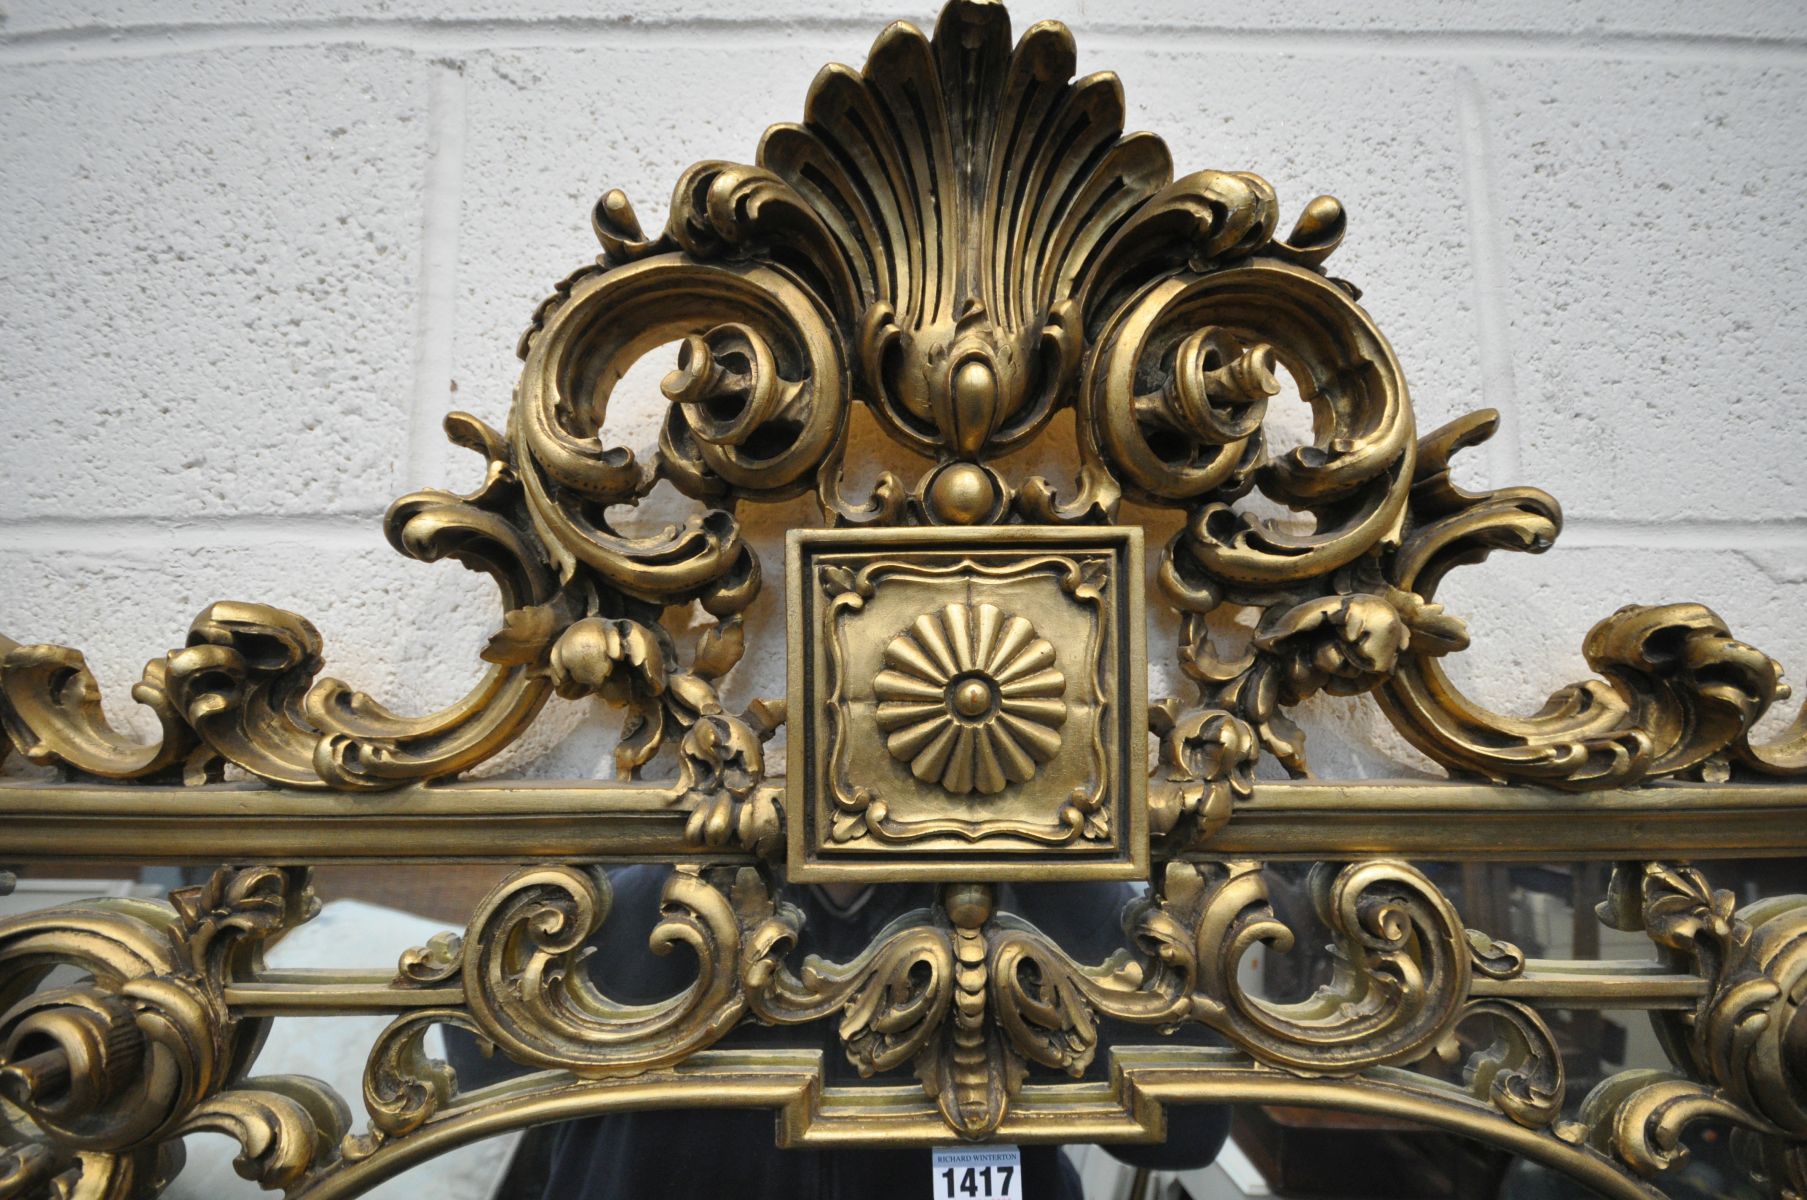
[[941, 732], [959, 237]]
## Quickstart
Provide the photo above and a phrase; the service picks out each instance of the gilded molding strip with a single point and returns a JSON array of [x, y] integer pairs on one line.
[[960, 237], [1128, 1109], [505, 821]]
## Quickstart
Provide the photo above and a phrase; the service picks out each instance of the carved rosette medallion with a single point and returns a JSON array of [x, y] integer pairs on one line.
[[967, 704], [971, 698]]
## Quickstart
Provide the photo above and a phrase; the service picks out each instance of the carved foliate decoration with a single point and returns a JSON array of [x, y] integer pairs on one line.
[[1737, 1055], [148, 1048], [960, 237]]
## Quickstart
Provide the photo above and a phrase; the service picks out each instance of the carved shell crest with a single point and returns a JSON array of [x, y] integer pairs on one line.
[[960, 204]]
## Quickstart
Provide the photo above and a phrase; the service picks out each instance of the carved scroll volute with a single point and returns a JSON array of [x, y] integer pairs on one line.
[[1403, 969], [244, 690], [1679, 691], [50, 706], [1740, 1055], [363, 743], [758, 344], [1749, 1033], [147, 1048], [530, 993], [1223, 334], [76, 1058], [1402, 966], [242, 680], [1766, 995]]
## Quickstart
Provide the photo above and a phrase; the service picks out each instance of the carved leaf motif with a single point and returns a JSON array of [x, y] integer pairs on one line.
[[436, 962], [620, 659], [838, 581], [524, 636], [719, 648], [1520, 1070], [287, 1127], [403, 1086], [225, 922], [50, 709], [1639, 1116], [1207, 764], [723, 766], [642, 733]]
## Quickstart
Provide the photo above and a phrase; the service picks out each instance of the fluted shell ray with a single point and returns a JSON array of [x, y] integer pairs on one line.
[[971, 698]]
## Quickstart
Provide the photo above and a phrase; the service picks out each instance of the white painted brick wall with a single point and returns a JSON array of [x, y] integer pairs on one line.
[[251, 253]]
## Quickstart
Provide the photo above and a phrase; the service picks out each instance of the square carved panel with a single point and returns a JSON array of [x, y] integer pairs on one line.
[[967, 704]]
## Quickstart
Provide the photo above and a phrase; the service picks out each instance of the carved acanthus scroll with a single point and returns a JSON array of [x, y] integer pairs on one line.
[[148, 1049], [1737, 1055], [960, 237]]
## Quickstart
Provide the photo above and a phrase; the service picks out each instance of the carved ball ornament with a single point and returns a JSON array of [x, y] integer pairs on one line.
[[971, 698]]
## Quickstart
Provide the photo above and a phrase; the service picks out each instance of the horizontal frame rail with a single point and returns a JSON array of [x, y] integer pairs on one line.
[[1457, 821], [600, 821], [1552, 983]]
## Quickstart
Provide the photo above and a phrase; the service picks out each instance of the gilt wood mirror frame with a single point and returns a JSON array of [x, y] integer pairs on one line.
[[960, 238]]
